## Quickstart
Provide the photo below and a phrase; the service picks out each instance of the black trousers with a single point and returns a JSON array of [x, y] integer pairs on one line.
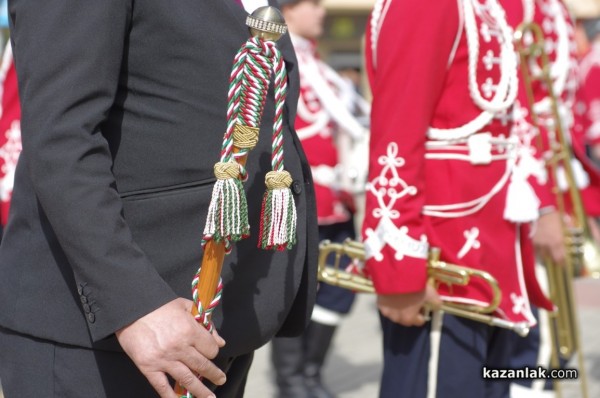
[[31, 367]]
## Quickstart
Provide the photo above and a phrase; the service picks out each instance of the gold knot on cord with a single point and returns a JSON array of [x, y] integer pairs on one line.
[[278, 179], [225, 170], [245, 137]]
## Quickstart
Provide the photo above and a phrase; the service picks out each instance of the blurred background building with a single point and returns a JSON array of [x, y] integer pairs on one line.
[[345, 25], [342, 43]]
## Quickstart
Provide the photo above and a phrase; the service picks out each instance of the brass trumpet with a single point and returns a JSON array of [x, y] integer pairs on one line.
[[438, 272], [583, 256]]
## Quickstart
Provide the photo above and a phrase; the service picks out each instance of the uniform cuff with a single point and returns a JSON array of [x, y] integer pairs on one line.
[[408, 275]]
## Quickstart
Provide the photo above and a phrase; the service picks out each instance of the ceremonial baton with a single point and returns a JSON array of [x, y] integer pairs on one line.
[[255, 63]]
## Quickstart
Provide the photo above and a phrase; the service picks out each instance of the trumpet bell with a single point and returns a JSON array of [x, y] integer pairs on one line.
[[332, 273]]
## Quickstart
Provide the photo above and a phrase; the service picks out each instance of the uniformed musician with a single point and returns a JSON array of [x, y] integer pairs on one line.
[[548, 235], [324, 120], [446, 171]]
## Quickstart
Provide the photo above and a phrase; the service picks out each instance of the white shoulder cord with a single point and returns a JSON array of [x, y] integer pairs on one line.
[[319, 77], [561, 66], [318, 120], [508, 63], [561, 71], [336, 108], [528, 10], [506, 91], [361, 104]]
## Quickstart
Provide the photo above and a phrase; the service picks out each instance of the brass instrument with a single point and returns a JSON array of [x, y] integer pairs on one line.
[[438, 271], [583, 257]]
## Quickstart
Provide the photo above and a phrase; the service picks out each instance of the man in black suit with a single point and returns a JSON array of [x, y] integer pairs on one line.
[[124, 109]]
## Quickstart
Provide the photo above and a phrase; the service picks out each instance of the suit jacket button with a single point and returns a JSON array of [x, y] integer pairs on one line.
[[80, 289], [296, 187], [91, 317], [86, 308], [83, 299]]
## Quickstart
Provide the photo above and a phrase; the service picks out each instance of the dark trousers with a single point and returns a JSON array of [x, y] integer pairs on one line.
[[32, 367], [331, 297], [535, 350], [464, 348]]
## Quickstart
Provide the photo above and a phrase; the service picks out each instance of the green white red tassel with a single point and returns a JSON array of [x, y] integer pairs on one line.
[[278, 213], [227, 218]]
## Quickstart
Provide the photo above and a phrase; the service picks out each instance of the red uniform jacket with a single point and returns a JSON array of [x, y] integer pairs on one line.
[[442, 155], [10, 131]]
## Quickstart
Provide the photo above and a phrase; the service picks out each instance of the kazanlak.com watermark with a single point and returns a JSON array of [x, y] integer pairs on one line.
[[530, 373]]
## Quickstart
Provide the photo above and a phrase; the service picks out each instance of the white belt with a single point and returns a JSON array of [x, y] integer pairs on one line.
[[478, 148], [324, 175]]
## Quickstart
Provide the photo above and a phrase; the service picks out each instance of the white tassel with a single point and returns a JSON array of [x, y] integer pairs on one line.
[[282, 204], [582, 179], [522, 204], [278, 213], [227, 212]]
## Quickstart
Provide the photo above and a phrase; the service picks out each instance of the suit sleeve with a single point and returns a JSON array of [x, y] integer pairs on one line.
[[69, 55], [407, 74]]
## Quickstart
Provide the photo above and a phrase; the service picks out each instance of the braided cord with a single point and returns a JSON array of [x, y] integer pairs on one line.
[[204, 313], [280, 95], [234, 95], [227, 218], [278, 214]]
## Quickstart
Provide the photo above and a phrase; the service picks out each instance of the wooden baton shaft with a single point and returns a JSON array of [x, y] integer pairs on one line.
[[212, 263], [210, 272]]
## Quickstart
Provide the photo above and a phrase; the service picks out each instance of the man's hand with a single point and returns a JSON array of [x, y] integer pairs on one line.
[[407, 309], [549, 239], [169, 341]]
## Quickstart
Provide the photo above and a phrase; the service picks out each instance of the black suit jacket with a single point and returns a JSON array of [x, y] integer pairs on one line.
[[124, 111]]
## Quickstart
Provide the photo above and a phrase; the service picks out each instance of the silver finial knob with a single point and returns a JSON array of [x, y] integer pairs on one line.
[[266, 23]]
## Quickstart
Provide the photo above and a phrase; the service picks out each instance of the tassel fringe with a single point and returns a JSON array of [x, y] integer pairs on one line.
[[278, 213], [227, 218], [522, 204]]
